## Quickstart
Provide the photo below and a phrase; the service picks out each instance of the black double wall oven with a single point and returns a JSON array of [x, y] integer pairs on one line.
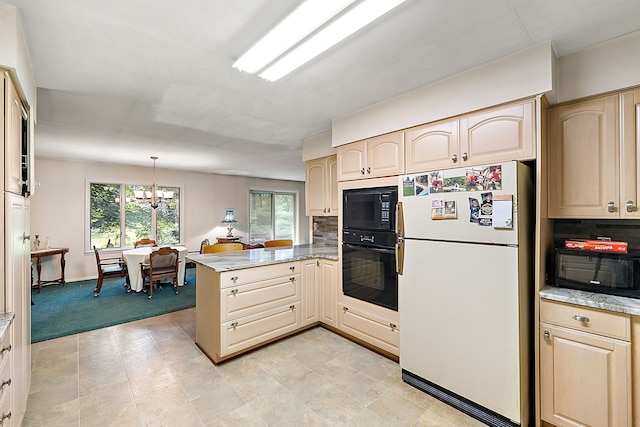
[[369, 245]]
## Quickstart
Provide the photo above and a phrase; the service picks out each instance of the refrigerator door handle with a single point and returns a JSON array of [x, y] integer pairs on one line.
[[399, 220], [400, 243], [400, 256]]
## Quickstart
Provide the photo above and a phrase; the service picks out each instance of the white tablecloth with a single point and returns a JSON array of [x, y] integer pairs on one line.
[[133, 258]]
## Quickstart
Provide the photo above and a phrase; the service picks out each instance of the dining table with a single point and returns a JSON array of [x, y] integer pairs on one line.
[[134, 257]]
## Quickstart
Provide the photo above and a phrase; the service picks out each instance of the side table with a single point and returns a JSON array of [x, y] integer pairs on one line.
[[43, 253]]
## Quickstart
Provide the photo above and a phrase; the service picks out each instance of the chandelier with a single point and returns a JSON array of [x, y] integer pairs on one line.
[[155, 196]]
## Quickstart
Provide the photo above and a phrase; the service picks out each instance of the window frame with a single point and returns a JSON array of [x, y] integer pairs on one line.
[[122, 184], [296, 210]]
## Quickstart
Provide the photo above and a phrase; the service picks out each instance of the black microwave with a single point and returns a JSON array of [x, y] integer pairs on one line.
[[371, 209], [607, 273]]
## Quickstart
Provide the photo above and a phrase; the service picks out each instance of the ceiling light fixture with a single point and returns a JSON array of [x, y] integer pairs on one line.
[[155, 196], [308, 17], [347, 24]]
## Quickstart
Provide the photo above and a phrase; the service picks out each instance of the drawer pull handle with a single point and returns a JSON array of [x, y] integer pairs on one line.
[[6, 348], [369, 169], [293, 279], [234, 324], [234, 291], [583, 319], [5, 383], [465, 156], [630, 206], [292, 307], [393, 326], [292, 268], [234, 278], [547, 336], [345, 309], [362, 171], [6, 416], [611, 207], [454, 158]]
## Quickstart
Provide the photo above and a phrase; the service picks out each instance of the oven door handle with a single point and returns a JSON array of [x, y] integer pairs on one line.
[[370, 248]]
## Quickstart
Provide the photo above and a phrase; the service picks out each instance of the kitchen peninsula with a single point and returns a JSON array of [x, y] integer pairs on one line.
[[248, 298]]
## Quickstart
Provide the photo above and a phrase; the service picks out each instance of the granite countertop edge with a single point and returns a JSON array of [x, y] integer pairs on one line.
[[238, 260], [5, 322], [592, 299]]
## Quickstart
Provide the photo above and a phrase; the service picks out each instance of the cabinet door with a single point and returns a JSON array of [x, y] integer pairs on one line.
[[583, 159], [13, 138], [351, 161], [315, 191], [310, 292], [584, 378], [370, 328], [333, 203], [18, 296], [258, 328], [630, 155], [501, 134], [431, 147], [385, 155], [329, 292]]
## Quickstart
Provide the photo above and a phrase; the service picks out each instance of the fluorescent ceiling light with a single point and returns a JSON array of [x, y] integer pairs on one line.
[[356, 18], [308, 17]]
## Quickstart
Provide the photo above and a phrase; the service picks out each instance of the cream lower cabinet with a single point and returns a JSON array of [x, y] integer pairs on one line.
[[373, 325], [241, 309], [585, 366], [329, 292], [6, 381], [311, 291]]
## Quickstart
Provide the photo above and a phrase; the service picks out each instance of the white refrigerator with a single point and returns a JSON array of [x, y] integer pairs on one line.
[[465, 288]]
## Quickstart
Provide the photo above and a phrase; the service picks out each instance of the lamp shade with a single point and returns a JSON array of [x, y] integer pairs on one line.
[[229, 218]]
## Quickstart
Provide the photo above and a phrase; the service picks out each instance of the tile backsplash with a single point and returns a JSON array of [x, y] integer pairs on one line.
[[325, 230]]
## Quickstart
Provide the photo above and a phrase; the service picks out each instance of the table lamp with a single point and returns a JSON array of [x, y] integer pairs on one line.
[[229, 219]]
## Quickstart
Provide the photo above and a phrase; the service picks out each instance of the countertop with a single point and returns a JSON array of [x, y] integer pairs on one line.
[[592, 299], [5, 322], [236, 260]]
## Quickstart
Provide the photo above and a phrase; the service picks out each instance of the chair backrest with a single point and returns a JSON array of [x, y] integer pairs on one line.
[[145, 242], [278, 242], [222, 247], [164, 257], [204, 243]]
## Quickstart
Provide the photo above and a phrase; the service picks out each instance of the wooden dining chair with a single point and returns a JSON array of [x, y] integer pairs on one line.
[[145, 242], [109, 267], [163, 264], [278, 242], [222, 247], [190, 264]]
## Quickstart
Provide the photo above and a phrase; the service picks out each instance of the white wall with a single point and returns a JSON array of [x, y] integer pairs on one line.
[[521, 75], [602, 68], [58, 206]]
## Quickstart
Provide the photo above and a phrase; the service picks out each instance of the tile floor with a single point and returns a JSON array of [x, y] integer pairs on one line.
[[150, 373]]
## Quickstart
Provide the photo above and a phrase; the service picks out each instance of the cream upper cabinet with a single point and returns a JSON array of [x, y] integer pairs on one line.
[[630, 152], [431, 147], [499, 134], [585, 366], [15, 116], [493, 135], [583, 159], [370, 158], [322, 187]]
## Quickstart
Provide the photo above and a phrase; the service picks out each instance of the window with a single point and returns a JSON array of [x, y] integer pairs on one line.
[[272, 216], [118, 222]]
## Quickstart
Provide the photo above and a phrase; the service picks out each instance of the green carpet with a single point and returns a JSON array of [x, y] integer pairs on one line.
[[60, 311]]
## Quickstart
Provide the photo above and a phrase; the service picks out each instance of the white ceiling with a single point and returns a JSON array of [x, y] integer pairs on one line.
[[122, 80]]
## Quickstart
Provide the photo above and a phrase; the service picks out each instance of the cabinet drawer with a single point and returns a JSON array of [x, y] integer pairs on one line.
[[248, 275], [258, 328], [375, 330], [5, 347], [606, 323], [239, 301]]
